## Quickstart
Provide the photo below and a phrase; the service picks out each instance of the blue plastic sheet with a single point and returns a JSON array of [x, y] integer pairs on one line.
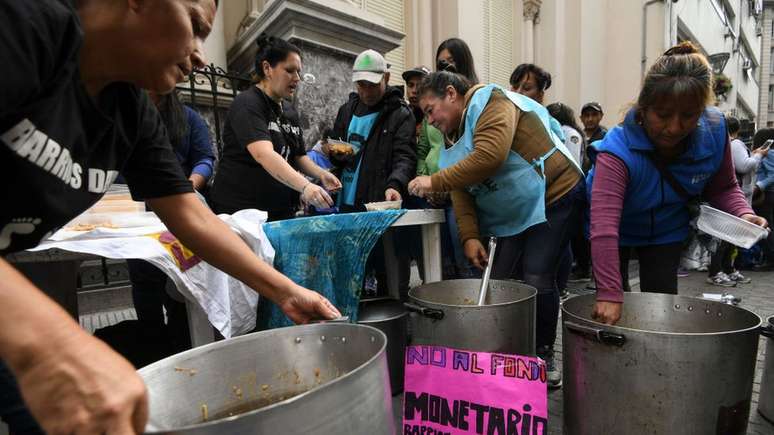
[[327, 254]]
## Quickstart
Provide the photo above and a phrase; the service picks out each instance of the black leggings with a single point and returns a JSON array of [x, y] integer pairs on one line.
[[722, 259], [658, 267], [537, 253]]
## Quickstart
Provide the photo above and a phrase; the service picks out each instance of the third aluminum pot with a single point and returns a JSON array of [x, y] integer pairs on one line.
[[673, 364]]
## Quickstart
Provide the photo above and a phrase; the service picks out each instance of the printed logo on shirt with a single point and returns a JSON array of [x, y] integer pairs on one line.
[[698, 178], [20, 226], [32, 144], [284, 127]]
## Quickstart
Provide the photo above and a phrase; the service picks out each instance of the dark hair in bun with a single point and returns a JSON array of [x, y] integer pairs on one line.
[[681, 72], [522, 72], [272, 50], [685, 47]]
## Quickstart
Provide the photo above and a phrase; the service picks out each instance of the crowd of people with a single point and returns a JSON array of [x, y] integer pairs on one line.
[[498, 161]]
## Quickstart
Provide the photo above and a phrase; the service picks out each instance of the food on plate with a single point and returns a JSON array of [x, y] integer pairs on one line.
[[89, 227], [342, 148], [384, 205]]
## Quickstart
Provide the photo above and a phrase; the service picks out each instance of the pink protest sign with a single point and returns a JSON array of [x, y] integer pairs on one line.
[[450, 391]]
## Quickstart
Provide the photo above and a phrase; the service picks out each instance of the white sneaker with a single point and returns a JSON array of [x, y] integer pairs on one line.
[[721, 280], [737, 277]]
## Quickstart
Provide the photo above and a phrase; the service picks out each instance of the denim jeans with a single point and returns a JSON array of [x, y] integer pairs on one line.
[[537, 253]]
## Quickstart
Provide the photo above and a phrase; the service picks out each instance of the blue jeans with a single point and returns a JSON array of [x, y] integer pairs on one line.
[[537, 252]]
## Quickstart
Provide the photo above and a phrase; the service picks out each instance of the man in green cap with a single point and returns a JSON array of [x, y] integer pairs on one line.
[[380, 126]]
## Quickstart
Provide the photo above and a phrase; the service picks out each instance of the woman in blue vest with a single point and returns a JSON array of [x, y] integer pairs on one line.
[[510, 176], [671, 149]]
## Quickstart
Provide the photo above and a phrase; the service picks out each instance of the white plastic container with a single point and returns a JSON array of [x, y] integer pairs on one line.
[[384, 205], [729, 228]]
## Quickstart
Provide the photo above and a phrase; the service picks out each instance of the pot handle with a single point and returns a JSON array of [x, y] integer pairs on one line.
[[432, 313], [767, 331], [600, 335]]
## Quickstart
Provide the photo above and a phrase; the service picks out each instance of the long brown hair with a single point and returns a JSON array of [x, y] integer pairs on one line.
[[681, 72]]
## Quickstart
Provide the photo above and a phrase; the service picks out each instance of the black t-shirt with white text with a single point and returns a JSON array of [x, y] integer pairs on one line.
[[241, 182], [61, 149]]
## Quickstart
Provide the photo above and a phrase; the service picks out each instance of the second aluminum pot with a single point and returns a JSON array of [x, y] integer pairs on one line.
[[446, 314], [389, 316]]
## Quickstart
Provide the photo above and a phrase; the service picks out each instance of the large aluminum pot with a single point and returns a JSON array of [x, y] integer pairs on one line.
[[673, 364], [389, 316], [766, 397], [337, 372], [447, 315]]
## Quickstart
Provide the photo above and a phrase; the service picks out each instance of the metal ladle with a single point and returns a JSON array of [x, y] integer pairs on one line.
[[488, 271]]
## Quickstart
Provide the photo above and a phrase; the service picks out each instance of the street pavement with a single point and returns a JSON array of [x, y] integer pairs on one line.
[[757, 296]]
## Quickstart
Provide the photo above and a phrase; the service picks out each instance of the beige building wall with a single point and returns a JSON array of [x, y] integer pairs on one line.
[[215, 45], [394, 14], [592, 48], [766, 105]]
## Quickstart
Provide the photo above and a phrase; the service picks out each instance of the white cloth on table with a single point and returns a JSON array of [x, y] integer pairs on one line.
[[229, 304]]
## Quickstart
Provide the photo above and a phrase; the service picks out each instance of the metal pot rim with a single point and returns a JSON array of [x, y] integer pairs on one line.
[[473, 306], [385, 319], [566, 314], [234, 341]]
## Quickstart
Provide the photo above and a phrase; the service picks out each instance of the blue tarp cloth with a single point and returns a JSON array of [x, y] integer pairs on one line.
[[327, 254]]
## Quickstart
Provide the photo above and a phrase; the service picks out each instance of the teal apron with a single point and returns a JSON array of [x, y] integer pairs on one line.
[[513, 199]]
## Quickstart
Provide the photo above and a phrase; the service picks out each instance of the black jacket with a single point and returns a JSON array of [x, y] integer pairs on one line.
[[389, 158]]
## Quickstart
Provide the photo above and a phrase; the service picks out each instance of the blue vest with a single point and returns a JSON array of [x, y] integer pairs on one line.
[[513, 199], [653, 213]]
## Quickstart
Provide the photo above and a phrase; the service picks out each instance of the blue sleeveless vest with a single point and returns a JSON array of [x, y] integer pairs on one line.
[[653, 213]]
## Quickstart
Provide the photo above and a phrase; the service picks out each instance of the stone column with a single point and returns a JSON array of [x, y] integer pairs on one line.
[[330, 33], [531, 18]]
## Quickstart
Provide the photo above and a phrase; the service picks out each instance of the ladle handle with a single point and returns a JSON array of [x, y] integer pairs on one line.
[[597, 334], [487, 272]]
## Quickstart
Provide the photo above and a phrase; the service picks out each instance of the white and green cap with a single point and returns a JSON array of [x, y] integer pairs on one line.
[[369, 66]]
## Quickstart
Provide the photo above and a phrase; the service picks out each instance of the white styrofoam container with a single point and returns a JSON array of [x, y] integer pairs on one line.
[[384, 205], [729, 228]]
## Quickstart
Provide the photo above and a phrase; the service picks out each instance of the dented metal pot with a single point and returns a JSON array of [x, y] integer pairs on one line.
[[673, 364]]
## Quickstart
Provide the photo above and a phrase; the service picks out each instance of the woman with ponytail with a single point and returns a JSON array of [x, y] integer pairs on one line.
[[671, 149], [263, 148]]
